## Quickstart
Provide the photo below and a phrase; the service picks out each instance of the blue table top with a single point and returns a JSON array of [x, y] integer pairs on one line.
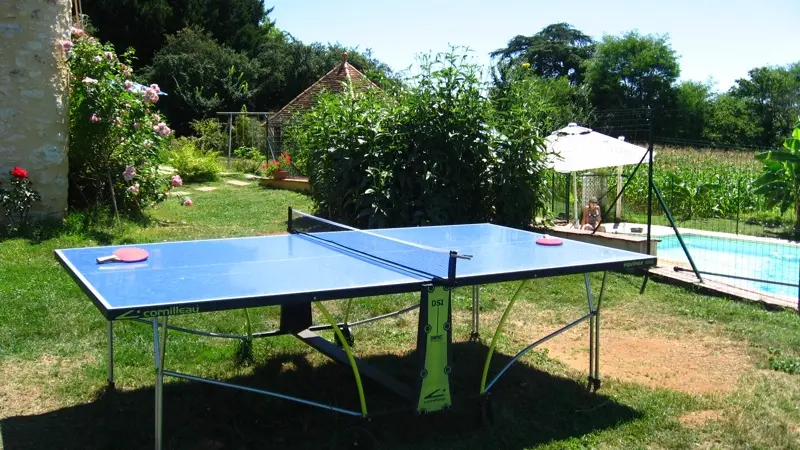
[[206, 275]]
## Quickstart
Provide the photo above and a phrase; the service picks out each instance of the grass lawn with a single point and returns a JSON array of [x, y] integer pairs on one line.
[[680, 370]]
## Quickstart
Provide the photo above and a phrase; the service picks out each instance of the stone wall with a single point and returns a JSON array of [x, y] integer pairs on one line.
[[34, 84]]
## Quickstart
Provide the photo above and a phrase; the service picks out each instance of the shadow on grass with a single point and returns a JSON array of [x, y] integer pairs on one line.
[[530, 407]]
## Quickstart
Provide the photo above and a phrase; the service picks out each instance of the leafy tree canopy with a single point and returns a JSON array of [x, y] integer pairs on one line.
[[773, 94], [145, 24], [632, 71], [558, 50]]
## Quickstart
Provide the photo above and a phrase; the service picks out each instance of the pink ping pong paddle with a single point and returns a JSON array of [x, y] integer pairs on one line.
[[126, 254], [549, 240]]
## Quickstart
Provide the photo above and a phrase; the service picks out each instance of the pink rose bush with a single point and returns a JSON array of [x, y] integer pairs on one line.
[[115, 129]]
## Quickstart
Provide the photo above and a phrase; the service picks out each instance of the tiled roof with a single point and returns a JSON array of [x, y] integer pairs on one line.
[[331, 81]]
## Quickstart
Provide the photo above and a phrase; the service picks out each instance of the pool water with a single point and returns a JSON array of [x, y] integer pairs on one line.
[[739, 257]]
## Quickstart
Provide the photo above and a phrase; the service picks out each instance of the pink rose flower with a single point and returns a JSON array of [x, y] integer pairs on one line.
[[66, 45], [76, 32], [134, 188], [128, 85], [94, 118], [151, 95], [155, 128], [187, 202], [129, 173], [177, 181]]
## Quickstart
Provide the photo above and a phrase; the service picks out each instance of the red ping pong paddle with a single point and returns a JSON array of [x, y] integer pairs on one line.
[[549, 240], [126, 254]]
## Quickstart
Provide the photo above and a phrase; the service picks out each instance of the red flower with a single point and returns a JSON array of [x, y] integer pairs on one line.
[[19, 173]]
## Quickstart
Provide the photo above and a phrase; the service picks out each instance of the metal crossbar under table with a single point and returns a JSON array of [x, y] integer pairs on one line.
[[593, 316], [343, 355], [161, 328]]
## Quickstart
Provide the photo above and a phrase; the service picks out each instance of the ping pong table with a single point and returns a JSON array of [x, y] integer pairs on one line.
[[320, 260]]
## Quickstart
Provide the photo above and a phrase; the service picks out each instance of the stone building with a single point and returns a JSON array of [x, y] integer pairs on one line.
[[34, 87]]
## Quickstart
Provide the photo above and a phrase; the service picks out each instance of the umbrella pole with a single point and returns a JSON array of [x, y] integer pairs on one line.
[[575, 197]]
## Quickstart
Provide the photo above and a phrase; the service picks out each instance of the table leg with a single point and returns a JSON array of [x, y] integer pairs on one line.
[[594, 331], [160, 342], [597, 332], [476, 304], [110, 331]]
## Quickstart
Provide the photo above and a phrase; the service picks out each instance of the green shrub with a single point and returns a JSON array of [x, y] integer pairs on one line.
[[192, 164], [248, 160], [297, 142], [210, 135], [248, 131]]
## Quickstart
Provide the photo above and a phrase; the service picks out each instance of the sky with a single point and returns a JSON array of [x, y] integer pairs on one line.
[[717, 40]]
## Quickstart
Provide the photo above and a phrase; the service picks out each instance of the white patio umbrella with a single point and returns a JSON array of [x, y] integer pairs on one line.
[[575, 148]]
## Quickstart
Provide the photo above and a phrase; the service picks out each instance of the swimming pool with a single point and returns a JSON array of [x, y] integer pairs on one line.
[[739, 257]]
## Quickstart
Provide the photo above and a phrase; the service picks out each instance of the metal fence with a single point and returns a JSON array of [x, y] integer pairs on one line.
[[726, 232]]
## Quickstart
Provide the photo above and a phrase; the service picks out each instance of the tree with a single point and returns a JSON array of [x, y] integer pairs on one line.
[[556, 101], [773, 93], [202, 77], [687, 111], [632, 71], [145, 24], [558, 50], [732, 122]]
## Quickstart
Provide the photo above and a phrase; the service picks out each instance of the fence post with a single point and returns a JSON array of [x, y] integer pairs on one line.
[[738, 201], [230, 136]]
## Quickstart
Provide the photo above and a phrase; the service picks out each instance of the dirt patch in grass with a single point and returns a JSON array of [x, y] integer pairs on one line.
[[699, 418], [27, 387], [652, 351]]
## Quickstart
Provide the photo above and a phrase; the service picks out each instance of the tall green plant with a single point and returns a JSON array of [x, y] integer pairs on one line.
[[521, 119], [347, 148], [779, 182], [442, 174]]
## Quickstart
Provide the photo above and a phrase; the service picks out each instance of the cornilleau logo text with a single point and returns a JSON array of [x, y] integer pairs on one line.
[[171, 311]]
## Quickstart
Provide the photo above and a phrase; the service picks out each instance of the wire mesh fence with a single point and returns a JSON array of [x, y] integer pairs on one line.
[[729, 233]]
